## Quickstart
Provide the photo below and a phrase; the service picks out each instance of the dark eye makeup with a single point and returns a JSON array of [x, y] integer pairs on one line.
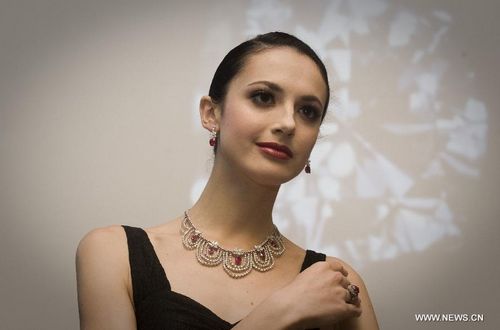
[[311, 112], [262, 97], [266, 98]]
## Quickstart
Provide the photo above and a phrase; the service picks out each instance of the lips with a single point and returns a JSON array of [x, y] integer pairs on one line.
[[276, 150]]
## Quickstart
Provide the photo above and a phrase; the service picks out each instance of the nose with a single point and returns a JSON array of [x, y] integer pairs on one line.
[[285, 121]]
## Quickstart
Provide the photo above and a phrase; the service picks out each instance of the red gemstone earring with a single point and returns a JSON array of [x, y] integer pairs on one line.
[[307, 169], [213, 137]]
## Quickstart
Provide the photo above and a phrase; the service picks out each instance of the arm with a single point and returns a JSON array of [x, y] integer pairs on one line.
[[271, 314], [103, 279], [316, 298]]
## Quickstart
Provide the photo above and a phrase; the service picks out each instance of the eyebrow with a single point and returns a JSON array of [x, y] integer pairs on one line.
[[278, 89]]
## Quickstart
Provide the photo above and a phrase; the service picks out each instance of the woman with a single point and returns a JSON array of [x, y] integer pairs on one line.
[[266, 103]]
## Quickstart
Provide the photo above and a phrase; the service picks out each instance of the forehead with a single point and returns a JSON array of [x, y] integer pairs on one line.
[[286, 67]]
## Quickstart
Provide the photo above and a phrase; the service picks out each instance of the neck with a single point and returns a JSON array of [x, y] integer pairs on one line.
[[234, 210]]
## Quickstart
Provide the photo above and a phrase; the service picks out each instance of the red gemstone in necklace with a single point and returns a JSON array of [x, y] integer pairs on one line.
[[237, 260], [236, 263], [195, 237]]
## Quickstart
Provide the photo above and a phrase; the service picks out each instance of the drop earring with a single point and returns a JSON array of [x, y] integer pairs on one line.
[[213, 137], [307, 169]]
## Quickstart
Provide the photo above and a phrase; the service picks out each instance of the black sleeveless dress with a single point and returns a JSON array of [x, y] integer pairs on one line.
[[156, 305]]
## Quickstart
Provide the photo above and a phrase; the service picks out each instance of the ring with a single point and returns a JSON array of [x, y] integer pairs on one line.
[[353, 292]]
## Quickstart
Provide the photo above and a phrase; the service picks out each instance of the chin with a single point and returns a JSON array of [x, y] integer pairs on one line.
[[273, 178], [265, 173]]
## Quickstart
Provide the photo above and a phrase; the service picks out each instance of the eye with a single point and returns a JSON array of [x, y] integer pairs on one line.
[[261, 97], [310, 112]]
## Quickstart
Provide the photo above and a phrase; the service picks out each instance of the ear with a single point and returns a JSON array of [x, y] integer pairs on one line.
[[209, 113]]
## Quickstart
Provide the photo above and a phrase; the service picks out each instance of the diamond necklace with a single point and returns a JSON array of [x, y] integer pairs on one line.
[[236, 263]]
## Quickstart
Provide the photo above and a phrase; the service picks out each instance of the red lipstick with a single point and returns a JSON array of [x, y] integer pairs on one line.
[[275, 150]]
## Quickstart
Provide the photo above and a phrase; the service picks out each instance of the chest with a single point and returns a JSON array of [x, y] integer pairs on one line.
[[230, 299]]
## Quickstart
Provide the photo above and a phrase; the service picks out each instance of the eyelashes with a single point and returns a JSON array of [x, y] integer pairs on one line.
[[264, 98], [310, 112]]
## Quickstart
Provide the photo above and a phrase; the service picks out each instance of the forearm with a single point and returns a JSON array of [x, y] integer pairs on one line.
[[271, 314]]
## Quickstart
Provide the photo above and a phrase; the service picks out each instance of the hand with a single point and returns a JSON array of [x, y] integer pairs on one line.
[[319, 297]]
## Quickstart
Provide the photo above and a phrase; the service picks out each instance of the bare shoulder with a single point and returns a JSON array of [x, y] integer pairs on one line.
[[105, 241], [109, 232], [103, 280], [368, 319], [104, 251]]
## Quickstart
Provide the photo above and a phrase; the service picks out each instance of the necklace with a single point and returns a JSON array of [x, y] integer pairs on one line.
[[236, 263]]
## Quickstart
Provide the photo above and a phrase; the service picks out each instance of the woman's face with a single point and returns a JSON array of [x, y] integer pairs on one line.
[[272, 114]]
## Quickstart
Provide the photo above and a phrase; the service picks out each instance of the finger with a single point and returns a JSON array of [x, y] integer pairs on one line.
[[354, 310], [344, 282], [338, 267], [347, 296], [352, 294], [353, 301]]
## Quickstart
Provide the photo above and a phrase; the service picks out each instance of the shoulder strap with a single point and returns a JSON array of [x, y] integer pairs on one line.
[[145, 269], [311, 258]]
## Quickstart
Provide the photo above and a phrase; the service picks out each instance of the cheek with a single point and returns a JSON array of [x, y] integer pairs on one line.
[[238, 122], [308, 140]]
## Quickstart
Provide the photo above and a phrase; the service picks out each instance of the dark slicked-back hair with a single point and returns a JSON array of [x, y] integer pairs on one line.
[[234, 61]]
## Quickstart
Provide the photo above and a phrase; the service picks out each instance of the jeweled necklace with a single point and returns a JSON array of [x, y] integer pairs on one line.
[[236, 263]]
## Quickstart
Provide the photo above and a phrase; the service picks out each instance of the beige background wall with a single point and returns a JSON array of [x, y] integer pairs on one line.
[[98, 126]]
